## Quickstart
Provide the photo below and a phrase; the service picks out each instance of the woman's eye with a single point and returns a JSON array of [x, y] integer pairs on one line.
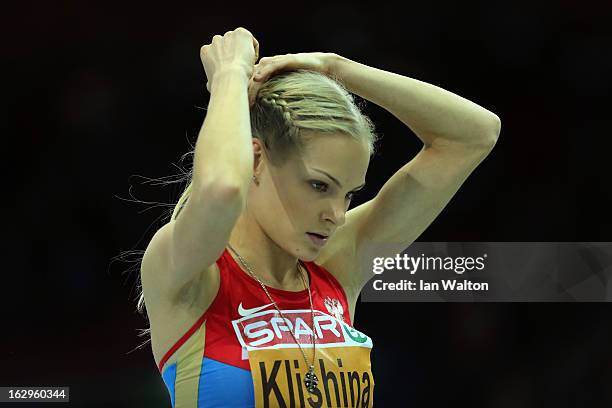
[[322, 187]]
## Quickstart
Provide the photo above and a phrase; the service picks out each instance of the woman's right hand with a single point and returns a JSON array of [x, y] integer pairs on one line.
[[236, 49]]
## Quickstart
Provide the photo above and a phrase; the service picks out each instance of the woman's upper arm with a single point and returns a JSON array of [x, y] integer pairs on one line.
[[181, 252]]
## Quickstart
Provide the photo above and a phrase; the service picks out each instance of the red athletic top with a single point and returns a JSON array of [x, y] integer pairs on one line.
[[240, 352]]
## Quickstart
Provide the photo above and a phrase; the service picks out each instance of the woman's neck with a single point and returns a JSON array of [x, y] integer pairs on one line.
[[270, 263]]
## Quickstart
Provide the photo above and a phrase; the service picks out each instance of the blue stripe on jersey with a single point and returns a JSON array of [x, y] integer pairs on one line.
[[220, 385], [169, 377], [224, 385]]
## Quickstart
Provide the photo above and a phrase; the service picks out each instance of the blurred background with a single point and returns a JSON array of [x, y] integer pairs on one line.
[[99, 97]]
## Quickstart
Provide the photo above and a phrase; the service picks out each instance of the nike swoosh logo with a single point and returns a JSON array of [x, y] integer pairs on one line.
[[245, 312]]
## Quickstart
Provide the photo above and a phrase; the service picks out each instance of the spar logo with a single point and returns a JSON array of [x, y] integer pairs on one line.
[[268, 329]]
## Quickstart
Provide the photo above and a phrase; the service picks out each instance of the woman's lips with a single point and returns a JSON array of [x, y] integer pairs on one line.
[[316, 239]]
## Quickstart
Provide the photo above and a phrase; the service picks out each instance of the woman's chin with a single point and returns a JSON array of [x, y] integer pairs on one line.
[[306, 253], [310, 254]]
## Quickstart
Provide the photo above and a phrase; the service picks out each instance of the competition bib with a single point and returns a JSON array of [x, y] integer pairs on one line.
[[342, 360]]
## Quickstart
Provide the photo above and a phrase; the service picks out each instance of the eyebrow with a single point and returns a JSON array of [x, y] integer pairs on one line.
[[336, 181]]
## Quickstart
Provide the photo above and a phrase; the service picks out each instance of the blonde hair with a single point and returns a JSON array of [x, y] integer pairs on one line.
[[288, 105]]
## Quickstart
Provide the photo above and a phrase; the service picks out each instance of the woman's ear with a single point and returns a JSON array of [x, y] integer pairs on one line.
[[258, 154]]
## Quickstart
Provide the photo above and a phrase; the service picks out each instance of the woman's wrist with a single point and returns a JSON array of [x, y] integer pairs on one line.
[[332, 61], [231, 73]]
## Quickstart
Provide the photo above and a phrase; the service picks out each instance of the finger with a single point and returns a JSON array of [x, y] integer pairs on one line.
[[256, 45], [243, 30], [273, 65], [250, 88], [253, 89], [251, 94], [256, 70], [265, 67]]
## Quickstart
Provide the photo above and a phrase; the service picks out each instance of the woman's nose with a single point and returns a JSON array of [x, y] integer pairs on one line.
[[336, 214]]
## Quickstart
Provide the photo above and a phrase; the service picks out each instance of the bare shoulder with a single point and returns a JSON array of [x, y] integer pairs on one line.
[[156, 272], [172, 314]]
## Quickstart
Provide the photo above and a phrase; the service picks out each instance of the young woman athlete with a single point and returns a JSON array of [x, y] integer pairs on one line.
[[251, 287]]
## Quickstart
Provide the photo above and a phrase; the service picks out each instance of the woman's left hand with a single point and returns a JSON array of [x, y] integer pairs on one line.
[[269, 66]]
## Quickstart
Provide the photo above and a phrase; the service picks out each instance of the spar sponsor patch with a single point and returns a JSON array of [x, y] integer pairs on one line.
[[342, 360], [268, 329]]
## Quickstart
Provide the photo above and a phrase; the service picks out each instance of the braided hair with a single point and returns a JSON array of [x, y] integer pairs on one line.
[[293, 102]]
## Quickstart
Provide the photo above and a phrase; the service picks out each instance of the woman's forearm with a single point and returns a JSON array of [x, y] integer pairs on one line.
[[429, 111], [224, 152]]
